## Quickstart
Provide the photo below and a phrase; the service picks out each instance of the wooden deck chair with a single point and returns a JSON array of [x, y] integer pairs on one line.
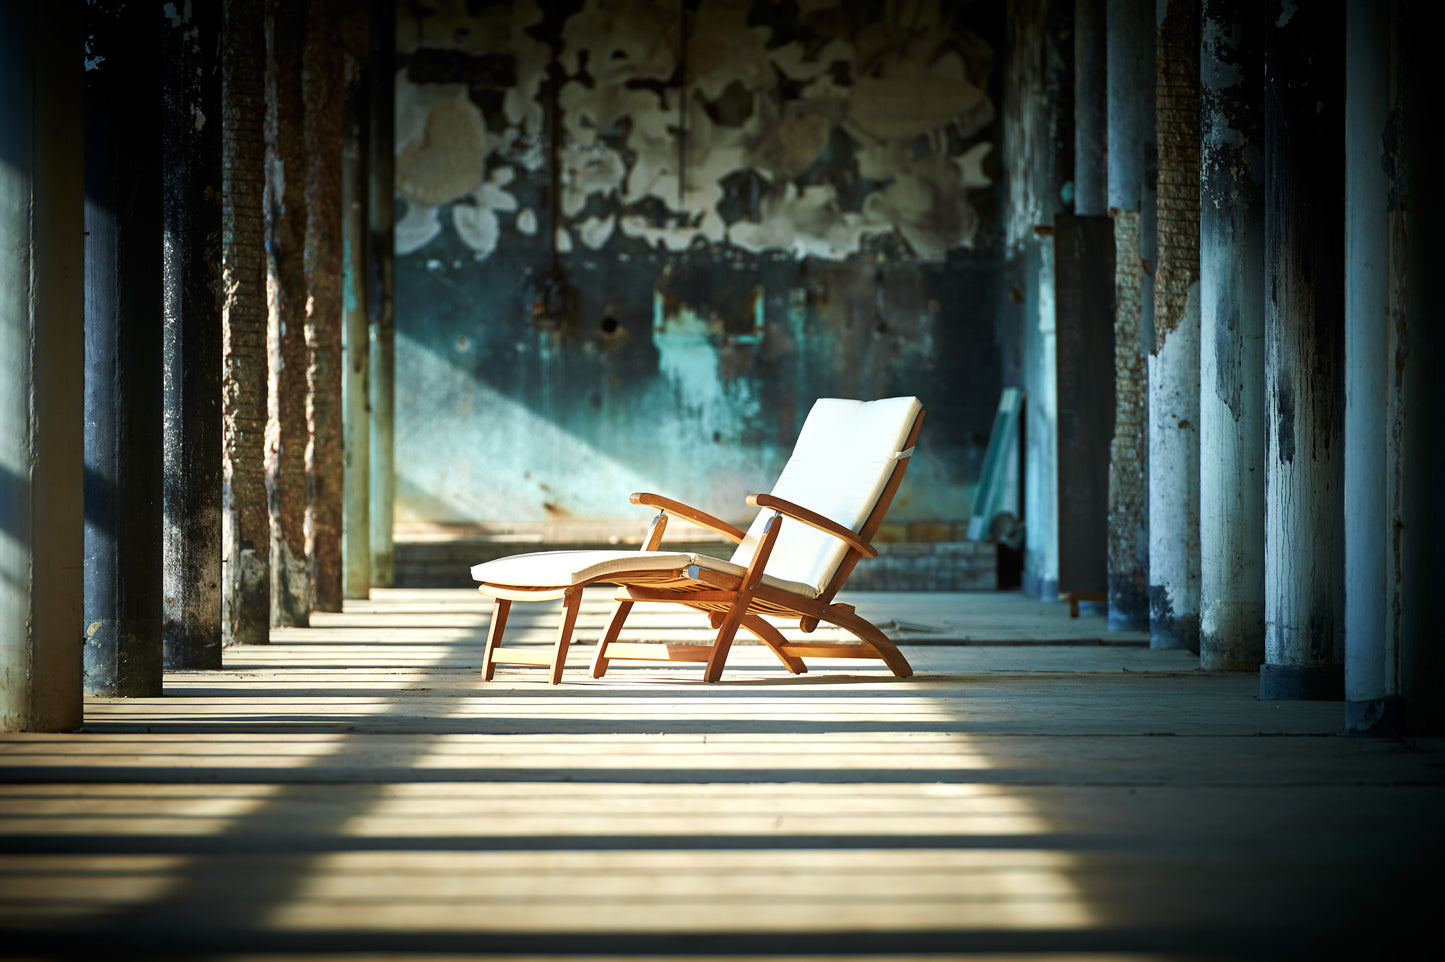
[[813, 528]]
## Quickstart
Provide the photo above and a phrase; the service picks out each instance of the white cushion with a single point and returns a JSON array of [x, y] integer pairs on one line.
[[555, 569], [560, 569], [843, 458]]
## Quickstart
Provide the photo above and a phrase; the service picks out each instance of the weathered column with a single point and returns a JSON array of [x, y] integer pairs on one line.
[[1084, 281], [42, 355], [322, 83], [1174, 362], [1039, 118], [1304, 353], [192, 288], [1394, 664], [381, 213], [286, 394], [124, 385], [1131, 203], [1422, 564], [1374, 313], [1231, 346], [245, 522], [1082, 389], [1091, 108], [356, 320]]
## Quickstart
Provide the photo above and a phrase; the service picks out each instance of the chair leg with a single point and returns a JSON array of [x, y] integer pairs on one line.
[[620, 611], [500, 607], [571, 602], [724, 641], [727, 627], [774, 639], [843, 617]]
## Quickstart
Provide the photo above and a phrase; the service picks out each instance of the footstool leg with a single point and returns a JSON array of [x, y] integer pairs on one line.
[[500, 607]]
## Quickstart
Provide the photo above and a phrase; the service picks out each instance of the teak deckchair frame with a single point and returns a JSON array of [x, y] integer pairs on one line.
[[730, 601]]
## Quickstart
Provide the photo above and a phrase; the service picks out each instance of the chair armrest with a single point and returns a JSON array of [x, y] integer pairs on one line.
[[814, 520], [688, 513]]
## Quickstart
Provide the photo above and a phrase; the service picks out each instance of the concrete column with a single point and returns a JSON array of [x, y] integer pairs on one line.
[[1394, 677], [322, 83], [1374, 311], [1304, 353], [192, 286], [124, 385], [1081, 415], [245, 523], [286, 394], [1091, 108], [1422, 565], [1231, 346], [381, 294], [1039, 118], [1132, 160], [1084, 280], [356, 321], [1040, 577], [1174, 362], [42, 353]]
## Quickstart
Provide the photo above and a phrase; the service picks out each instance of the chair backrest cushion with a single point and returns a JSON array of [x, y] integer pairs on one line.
[[841, 463]]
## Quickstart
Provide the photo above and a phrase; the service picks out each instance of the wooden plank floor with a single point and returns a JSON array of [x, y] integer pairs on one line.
[[353, 791]]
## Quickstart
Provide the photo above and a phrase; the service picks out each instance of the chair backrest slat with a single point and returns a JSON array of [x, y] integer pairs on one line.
[[843, 461]]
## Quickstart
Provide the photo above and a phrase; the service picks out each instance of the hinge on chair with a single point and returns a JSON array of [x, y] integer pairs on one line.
[[655, 530]]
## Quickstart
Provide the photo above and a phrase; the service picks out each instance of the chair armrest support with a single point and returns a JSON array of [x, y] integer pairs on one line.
[[814, 520], [688, 513]]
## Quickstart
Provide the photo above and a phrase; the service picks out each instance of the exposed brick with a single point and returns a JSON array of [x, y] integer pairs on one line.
[[246, 523], [286, 215], [322, 82], [1176, 97], [1129, 451]]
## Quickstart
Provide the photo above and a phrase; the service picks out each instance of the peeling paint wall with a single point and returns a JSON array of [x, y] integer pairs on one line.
[[636, 239]]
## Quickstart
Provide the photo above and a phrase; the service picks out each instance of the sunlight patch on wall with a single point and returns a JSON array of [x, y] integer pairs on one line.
[[488, 456]]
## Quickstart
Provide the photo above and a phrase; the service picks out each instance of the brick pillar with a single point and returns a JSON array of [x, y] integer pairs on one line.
[[245, 522], [322, 82], [192, 272], [1129, 450], [1174, 361], [1131, 203], [286, 406], [1304, 353], [1231, 346]]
